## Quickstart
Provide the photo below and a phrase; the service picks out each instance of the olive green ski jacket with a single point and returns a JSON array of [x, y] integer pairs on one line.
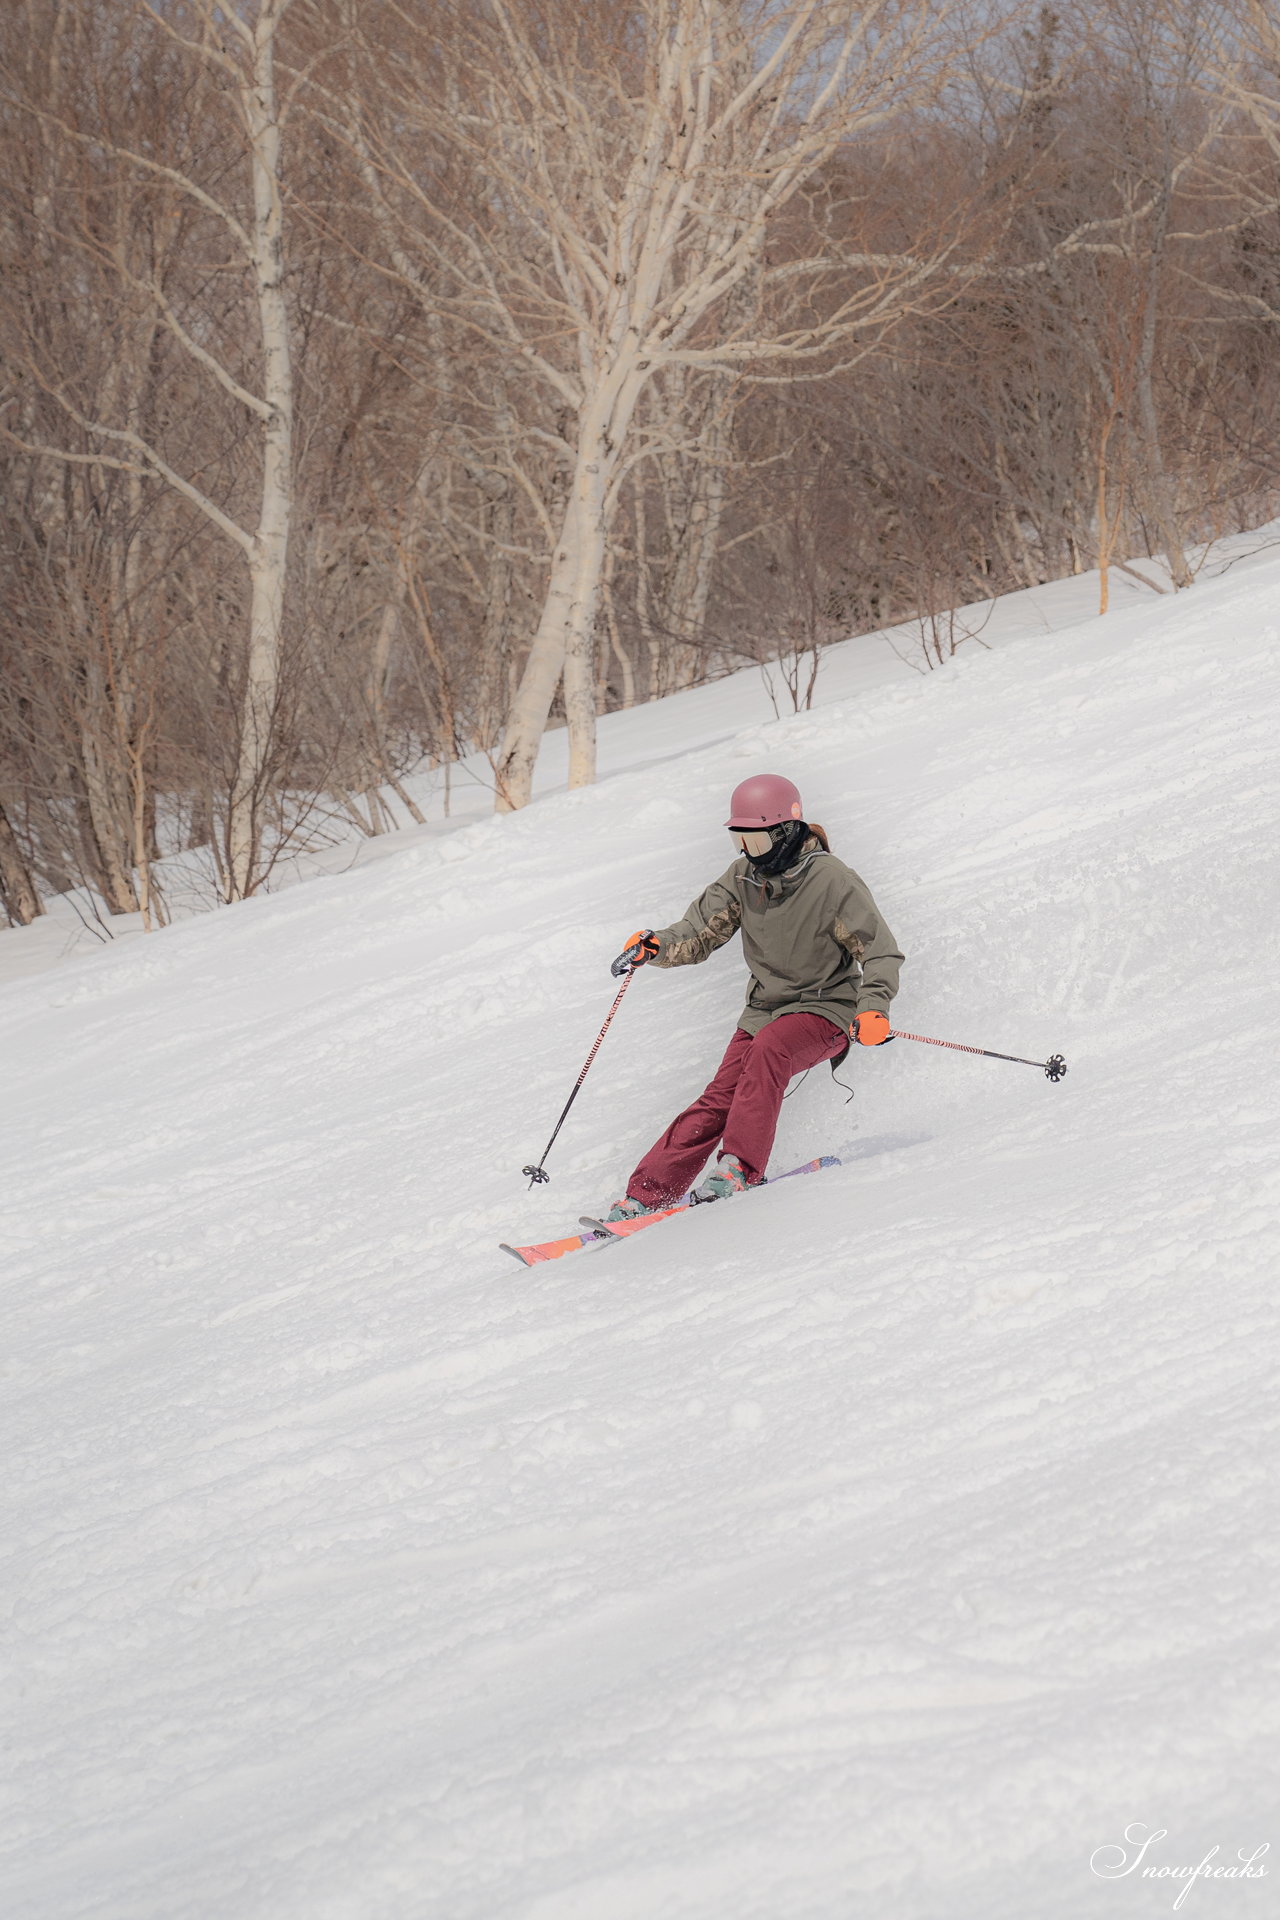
[[813, 938]]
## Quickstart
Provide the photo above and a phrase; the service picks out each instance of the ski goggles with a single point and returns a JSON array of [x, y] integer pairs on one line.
[[754, 844]]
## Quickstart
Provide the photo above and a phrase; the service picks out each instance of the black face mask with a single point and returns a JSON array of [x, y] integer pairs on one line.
[[787, 842]]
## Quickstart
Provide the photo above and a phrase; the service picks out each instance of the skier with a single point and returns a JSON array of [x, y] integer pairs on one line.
[[824, 967]]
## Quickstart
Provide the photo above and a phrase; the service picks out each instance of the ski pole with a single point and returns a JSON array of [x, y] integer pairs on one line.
[[539, 1174], [1054, 1067]]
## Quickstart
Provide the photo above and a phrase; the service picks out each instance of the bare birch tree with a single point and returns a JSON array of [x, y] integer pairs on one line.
[[624, 343], [638, 155], [234, 56]]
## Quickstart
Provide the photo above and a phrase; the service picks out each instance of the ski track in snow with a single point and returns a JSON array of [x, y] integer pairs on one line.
[[879, 1546]]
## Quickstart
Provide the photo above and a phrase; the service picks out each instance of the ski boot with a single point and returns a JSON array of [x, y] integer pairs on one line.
[[627, 1209], [730, 1177]]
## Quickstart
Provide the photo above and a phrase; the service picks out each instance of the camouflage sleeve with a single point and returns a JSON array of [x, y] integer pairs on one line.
[[713, 918], [860, 929]]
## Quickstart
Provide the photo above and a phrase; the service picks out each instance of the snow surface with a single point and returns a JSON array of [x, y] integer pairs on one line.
[[882, 1545]]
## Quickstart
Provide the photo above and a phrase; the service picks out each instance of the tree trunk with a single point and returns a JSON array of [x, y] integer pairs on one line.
[[695, 562], [580, 640], [1158, 488], [17, 889], [495, 622], [565, 639], [620, 653], [141, 842], [109, 818], [269, 557], [527, 718]]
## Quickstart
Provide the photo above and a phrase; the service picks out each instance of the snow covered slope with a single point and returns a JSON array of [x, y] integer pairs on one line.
[[882, 1545]]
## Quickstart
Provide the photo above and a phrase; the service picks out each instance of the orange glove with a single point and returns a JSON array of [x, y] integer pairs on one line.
[[640, 947], [872, 1029]]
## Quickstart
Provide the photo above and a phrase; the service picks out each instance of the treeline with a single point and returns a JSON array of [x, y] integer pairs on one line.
[[384, 381]]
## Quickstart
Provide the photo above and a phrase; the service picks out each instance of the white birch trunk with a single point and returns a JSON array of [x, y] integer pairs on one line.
[[527, 717], [653, 172], [269, 555], [580, 632], [565, 639], [562, 645], [1160, 492]]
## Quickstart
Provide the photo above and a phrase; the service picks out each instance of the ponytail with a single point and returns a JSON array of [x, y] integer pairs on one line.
[[820, 835]]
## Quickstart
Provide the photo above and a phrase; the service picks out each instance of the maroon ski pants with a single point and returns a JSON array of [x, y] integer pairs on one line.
[[740, 1107]]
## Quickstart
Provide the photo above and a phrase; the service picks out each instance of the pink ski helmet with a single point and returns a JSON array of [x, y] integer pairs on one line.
[[766, 800]]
